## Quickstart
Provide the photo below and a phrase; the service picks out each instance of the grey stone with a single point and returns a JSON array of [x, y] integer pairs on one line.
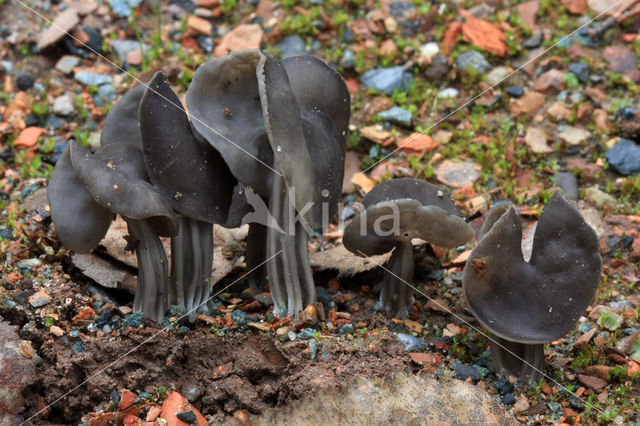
[[411, 343], [386, 80], [106, 94], [123, 47], [123, 7], [474, 60], [66, 64], [569, 184], [581, 70], [599, 197], [348, 59], [497, 74], [438, 68], [515, 91], [93, 79], [397, 115], [63, 105], [463, 372], [292, 45], [534, 41], [624, 157]]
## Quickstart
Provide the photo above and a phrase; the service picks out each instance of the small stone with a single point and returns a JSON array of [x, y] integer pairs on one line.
[[123, 8], [559, 111], [463, 372], [528, 104], [534, 41], [411, 343], [569, 184], [63, 105], [386, 80], [624, 157], [504, 386], [397, 115], [536, 139], [134, 57], [594, 383], [377, 134], [599, 197], [599, 6], [346, 329], [242, 37], [413, 325], [348, 59], [551, 79], [448, 93], [515, 91], [581, 70], [197, 25], [187, 416], [313, 348], [473, 59], [105, 95], [508, 399], [602, 121], [428, 51], [56, 331], [38, 299], [66, 64], [25, 82], [292, 45], [123, 47], [438, 68], [521, 405], [61, 25], [92, 79], [458, 174], [497, 75], [623, 61], [417, 142], [574, 135], [203, 12], [527, 12], [307, 333], [28, 137], [310, 313]]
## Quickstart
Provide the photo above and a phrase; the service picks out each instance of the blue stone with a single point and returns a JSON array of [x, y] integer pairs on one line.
[[386, 80], [347, 213], [515, 91], [474, 60], [397, 115], [508, 399], [346, 329], [624, 157], [134, 320], [534, 41], [307, 333], [583, 38], [348, 36], [77, 347], [565, 42], [348, 59], [401, 9], [105, 95], [292, 45], [6, 234], [93, 79], [313, 347], [239, 316], [463, 372], [411, 343], [581, 70], [123, 8], [584, 327]]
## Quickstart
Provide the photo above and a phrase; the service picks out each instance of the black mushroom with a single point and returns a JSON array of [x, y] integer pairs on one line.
[[196, 180], [527, 304], [398, 211], [260, 113]]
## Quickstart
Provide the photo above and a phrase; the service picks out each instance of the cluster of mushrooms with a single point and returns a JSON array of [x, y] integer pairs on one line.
[[274, 131]]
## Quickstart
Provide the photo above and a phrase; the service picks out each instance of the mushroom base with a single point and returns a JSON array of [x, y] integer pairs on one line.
[[191, 263], [151, 291], [288, 268], [396, 295], [522, 360]]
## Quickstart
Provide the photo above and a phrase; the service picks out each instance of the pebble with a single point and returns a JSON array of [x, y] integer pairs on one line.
[[581, 70], [574, 135], [63, 23], [473, 59], [25, 82], [241, 37], [521, 405], [551, 79], [515, 91], [448, 93], [429, 50], [92, 39], [386, 80], [292, 45], [622, 60], [6, 234], [239, 316], [123, 8], [123, 47], [135, 320], [536, 139], [106, 94], [529, 103], [306, 334], [313, 348], [599, 197], [624, 157], [66, 64], [56, 331], [534, 41], [347, 213], [497, 75], [38, 299], [187, 416], [397, 115], [508, 399], [92, 79], [569, 184], [205, 43], [438, 68], [411, 343], [348, 59], [346, 329], [63, 105], [504, 386], [458, 174], [463, 372]]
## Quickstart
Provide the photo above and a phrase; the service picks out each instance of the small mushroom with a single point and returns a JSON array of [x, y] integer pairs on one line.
[[115, 179], [191, 174], [398, 211], [256, 110], [527, 304]]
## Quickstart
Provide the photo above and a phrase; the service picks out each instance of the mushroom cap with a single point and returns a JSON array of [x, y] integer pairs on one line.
[[325, 106], [116, 178], [225, 109], [538, 301], [121, 125], [190, 173], [423, 211], [79, 222]]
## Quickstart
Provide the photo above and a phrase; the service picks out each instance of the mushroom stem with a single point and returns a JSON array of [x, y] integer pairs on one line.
[[191, 263], [256, 249], [290, 278], [525, 361], [153, 274], [396, 295]]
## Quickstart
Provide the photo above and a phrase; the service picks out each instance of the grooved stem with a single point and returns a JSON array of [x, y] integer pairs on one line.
[[256, 250], [396, 295], [527, 365]]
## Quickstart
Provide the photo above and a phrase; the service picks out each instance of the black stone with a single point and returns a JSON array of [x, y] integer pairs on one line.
[[6, 234], [205, 43], [58, 150], [503, 386], [187, 416], [104, 317], [515, 91], [508, 399], [94, 45], [581, 70], [624, 157], [463, 372], [348, 36], [31, 120], [25, 82]]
